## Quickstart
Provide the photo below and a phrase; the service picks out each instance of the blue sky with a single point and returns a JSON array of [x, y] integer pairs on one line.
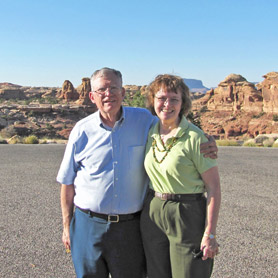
[[46, 42]]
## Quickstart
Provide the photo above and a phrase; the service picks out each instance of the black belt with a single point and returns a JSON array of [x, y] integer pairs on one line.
[[176, 197], [114, 218]]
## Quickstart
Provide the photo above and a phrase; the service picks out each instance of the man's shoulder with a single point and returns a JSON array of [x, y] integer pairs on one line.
[[83, 124], [86, 120], [138, 117], [137, 111]]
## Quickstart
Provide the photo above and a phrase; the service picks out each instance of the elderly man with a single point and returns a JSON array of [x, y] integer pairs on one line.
[[103, 183]]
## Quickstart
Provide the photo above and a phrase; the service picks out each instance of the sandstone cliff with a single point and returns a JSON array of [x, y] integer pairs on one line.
[[68, 92], [233, 94], [269, 89], [238, 107], [83, 90]]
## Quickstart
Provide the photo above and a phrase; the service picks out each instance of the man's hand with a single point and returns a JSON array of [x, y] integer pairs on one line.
[[209, 149], [66, 239], [67, 195]]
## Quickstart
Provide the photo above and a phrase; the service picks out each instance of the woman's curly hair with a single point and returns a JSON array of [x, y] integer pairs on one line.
[[171, 83]]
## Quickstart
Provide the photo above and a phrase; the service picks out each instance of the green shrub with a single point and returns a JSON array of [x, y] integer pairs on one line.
[[49, 126], [32, 139], [137, 100], [275, 118], [15, 140], [230, 143], [31, 114], [203, 109], [258, 116], [194, 119], [250, 144], [275, 145], [27, 101], [43, 141], [51, 100], [8, 132], [3, 141]]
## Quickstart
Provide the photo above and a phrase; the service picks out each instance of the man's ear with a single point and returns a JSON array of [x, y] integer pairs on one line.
[[123, 92], [91, 96]]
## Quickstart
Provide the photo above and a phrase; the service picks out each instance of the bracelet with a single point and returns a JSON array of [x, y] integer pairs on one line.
[[211, 236]]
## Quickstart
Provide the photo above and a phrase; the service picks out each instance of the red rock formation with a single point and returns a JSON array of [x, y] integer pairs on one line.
[[233, 94], [143, 90], [269, 89], [65, 133], [68, 92], [132, 88], [236, 107], [84, 89]]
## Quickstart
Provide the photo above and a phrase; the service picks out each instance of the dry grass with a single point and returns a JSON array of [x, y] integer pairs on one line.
[[250, 144], [32, 139], [230, 143]]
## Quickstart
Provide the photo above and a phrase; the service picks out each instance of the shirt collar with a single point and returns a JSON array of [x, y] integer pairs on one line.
[[119, 122], [183, 126]]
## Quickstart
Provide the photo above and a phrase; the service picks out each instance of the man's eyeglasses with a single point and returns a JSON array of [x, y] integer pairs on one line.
[[112, 90], [172, 101]]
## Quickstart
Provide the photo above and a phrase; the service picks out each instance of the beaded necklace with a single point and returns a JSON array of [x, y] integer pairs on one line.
[[165, 149]]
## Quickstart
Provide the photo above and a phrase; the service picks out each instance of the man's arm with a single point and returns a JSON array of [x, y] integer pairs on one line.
[[67, 195], [209, 149]]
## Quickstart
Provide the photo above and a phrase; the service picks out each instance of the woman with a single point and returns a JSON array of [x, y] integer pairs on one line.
[[178, 222]]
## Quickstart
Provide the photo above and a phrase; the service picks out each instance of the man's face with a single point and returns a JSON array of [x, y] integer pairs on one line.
[[108, 94]]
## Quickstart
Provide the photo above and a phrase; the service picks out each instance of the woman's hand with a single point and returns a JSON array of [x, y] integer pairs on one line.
[[210, 247]]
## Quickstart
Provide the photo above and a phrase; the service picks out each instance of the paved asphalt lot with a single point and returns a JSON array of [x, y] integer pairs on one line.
[[30, 223]]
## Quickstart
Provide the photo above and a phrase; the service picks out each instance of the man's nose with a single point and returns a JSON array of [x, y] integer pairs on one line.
[[108, 91]]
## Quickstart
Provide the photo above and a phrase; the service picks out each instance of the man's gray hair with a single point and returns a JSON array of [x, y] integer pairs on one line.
[[103, 72]]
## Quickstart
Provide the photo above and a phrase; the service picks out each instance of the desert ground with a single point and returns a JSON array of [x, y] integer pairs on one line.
[[30, 223]]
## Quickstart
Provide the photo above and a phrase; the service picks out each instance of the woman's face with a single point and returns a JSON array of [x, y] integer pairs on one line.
[[167, 105]]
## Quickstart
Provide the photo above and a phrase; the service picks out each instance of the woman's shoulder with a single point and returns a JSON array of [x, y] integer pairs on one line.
[[195, 133]]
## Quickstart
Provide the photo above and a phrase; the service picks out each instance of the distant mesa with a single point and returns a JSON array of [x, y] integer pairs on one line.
[[195, 85], [7, 85]]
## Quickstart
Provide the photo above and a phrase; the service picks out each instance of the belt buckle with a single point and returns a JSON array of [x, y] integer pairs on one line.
[[113, 218], [164, 197]]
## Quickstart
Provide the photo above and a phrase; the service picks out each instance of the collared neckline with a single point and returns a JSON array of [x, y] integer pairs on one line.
[[119, 122], [182, 128]]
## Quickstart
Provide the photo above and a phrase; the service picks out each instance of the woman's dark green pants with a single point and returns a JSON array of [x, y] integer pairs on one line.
[[172, 231]]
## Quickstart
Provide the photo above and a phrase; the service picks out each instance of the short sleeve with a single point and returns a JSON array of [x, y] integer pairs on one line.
[[68, 168], [202, 163]]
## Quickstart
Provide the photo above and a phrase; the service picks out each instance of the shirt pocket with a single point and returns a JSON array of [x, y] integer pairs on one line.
[[136, 155]]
